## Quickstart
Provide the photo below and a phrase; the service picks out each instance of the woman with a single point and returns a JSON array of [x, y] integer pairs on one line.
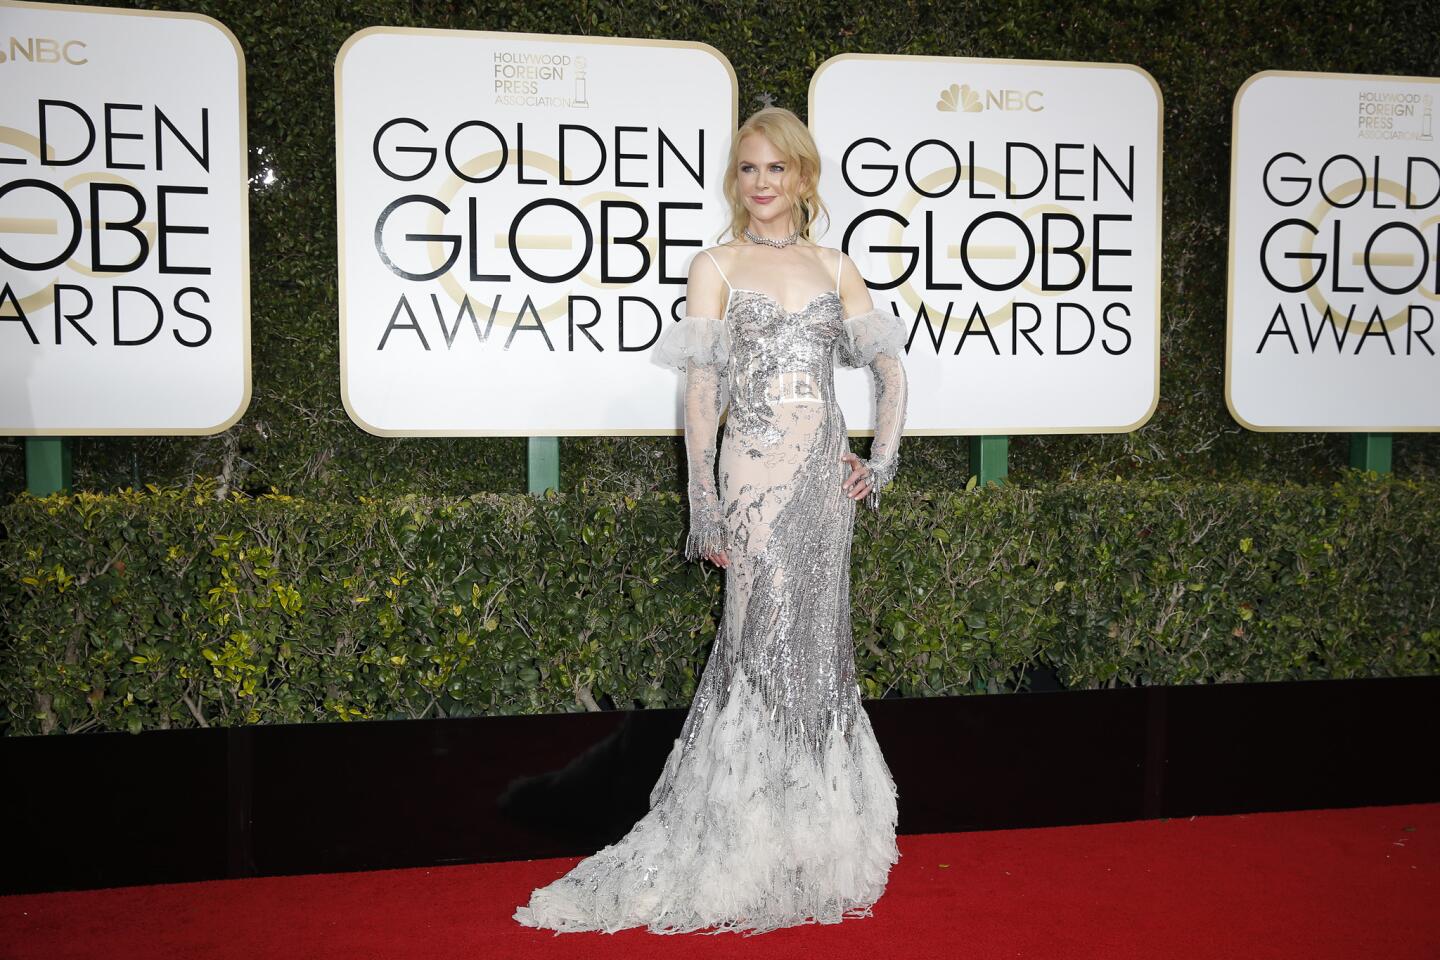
[[775, 807]]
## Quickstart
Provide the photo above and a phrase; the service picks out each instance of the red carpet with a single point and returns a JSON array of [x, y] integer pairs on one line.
[[1357, 883]]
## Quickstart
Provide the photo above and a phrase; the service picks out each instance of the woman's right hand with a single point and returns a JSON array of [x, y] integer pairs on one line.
[[718, 558]]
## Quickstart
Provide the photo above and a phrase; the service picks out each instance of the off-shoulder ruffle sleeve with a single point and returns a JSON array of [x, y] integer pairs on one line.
[[868, 334], [702, 339]]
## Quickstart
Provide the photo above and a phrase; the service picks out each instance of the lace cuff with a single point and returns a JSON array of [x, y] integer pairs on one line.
[[880, 476], [707, 534], [703, 339], [868, 334]]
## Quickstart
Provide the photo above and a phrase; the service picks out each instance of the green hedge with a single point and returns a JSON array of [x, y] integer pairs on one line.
[[166, 608], [297, 437]]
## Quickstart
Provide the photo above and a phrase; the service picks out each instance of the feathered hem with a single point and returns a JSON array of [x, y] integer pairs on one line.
[[747, 833]]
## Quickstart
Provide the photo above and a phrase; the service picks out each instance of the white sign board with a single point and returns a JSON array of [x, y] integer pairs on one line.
[[1008, 211], [518, 213], [124, 252], [1334, 237]]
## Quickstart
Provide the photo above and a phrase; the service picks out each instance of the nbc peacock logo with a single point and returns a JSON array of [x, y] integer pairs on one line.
[[959, 98], [963, 98]]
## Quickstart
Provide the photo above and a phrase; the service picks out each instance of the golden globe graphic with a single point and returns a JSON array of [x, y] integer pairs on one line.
[[1008, 212], [1334, 254], [517, 217], [124, 297]]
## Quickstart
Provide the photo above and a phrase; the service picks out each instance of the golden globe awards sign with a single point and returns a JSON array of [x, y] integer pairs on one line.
[[124, 259], [1334, 235], [518, 213], [1008, 212]]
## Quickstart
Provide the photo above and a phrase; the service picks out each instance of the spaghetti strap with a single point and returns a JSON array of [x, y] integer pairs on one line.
[[729, 288], [717, 267], [839, 263]]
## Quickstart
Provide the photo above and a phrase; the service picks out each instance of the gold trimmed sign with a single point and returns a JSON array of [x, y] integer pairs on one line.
[[124, 242], [1334, 254], [1008, 211], [517, 215]]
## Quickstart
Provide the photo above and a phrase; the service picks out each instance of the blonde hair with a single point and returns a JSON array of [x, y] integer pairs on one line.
[[793, 142]]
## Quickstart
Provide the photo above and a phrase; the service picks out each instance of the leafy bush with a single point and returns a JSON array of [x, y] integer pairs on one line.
[[167, 608]]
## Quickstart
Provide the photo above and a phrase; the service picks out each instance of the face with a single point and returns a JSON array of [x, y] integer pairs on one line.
[[765, 181]]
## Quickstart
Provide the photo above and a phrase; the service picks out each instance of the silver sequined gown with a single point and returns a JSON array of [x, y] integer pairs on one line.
[[775, 806]]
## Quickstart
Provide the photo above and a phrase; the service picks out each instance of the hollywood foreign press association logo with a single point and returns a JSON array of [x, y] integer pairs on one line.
[[1388, 114]]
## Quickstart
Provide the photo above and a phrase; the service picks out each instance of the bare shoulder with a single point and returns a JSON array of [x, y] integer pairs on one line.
[[707, 262], [731, 250], [840, 263], [854, 291], [829, 255], [722, 255]]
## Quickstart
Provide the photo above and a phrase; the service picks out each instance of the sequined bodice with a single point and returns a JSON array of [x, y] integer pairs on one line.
[[778, 356]]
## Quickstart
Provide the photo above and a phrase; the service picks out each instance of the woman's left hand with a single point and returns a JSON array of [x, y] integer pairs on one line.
[[857, 485]]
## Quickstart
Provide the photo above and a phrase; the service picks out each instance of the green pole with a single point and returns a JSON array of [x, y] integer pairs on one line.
[[1370, 451], [544, 464], [47, 465], [990, 459]]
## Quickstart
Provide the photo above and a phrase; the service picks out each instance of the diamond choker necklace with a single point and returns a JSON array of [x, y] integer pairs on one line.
[[753, 238]]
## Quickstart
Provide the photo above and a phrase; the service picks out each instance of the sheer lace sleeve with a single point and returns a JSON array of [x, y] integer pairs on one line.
[[698, 345], [877, 339]]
